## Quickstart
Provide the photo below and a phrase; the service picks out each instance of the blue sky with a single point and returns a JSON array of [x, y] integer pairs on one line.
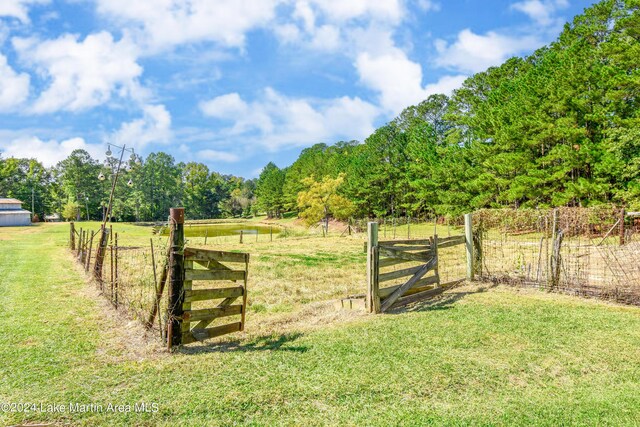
[[238, 83]]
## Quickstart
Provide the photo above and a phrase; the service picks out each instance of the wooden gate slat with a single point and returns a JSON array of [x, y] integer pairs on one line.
[[203, 334], [425, 242], [422, 283], [388, 262], [211, 313], [407, 248], [206, 294], [209, 255], [403, 288], [214, 274], [457, 239], [418, 256], [385, 277], [417, 297]]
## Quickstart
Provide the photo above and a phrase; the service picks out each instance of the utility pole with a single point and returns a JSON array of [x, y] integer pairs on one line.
[[33, 210]]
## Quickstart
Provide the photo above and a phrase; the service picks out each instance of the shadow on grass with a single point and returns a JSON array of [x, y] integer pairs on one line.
[[264, 343], [443, 301]]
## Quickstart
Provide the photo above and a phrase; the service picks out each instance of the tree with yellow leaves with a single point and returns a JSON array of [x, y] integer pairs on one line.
[[321, 200]]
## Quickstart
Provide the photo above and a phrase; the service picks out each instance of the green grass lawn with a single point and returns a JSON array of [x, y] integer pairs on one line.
[[474, 357]]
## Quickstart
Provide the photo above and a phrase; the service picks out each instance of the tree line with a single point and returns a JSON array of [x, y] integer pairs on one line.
[[560, 127], [145, 189]]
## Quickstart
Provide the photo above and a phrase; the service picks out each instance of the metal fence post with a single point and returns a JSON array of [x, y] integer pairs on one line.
[[468, 233]]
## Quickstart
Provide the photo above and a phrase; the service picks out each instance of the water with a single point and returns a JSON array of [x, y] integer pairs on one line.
[[214, 230]]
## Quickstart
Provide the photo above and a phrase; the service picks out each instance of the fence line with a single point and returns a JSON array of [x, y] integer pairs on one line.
[[582, 251]]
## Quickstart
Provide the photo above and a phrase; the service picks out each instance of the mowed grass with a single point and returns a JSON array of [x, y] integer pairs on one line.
[[476, 356]]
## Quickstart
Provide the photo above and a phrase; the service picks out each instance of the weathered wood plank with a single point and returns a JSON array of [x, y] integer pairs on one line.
[[225, 302], [388, 262], [420, 285], [407, 248], [207, 294], [209, 255], [458, 239], [211, 313], [186, 306], [409, 256], [385, 277], [417, 297], [214, 274], [408, 285], [425, 242], [203, 334], [214, 265]]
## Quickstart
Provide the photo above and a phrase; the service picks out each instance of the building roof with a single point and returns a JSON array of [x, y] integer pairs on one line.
[[6, 200]]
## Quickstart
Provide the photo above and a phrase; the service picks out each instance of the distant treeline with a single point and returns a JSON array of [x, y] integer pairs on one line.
[[146, 188], [558, 128]]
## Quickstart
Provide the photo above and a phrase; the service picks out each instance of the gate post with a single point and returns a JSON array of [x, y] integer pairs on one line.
[[468, 233], [176, 276], [373, 296]]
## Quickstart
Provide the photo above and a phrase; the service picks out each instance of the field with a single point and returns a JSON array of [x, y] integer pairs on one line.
[[479, 355]]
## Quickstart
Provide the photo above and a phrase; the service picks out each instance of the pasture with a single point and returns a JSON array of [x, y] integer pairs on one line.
[[479, 354]]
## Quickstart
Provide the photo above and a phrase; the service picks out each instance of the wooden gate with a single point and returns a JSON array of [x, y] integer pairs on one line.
[[384, 254], [203, 271]]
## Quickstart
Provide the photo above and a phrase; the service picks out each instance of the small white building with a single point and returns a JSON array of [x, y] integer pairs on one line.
[[12, 214]]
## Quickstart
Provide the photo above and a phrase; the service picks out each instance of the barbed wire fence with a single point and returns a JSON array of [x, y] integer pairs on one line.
[[131, 274]]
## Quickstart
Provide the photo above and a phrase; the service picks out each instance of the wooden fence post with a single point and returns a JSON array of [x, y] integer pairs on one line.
[[373, 295], [79, 245], [176, 276], [72, 236], [622, 214], [468, 233], [241, 233]]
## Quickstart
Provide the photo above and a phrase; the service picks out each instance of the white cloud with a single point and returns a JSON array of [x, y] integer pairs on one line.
[[48, 152], [541, 11], [379, 10], [14, 87], [82, 74], [221, 156], [276, 121], [445, 85], [474, 52], [329, 25], [18, 9], [428, 5], [164, 24], [394, 76], [153, 127]]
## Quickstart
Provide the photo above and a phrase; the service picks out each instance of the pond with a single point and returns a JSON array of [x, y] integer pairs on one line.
[[225, 229]]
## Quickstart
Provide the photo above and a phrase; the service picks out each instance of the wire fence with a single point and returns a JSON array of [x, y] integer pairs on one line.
[[591, 252], [131, 274]]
